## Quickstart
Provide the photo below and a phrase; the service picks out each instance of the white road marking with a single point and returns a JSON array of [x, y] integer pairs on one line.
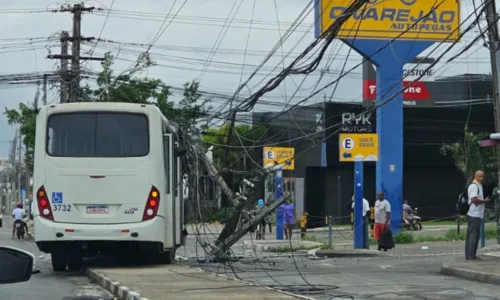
[[496, 254]]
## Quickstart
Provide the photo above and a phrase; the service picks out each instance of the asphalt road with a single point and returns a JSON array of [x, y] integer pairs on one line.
[[415, 274], [46, 285]]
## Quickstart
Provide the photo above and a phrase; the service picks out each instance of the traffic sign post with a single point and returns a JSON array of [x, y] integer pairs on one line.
[[358, 148], [284, 156], [278, 193], [359, 235]]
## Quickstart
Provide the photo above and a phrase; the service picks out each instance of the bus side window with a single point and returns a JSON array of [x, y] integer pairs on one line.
[[166, 158], [51, 140]]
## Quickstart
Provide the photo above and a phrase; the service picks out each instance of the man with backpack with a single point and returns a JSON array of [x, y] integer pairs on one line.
[[475, 214]]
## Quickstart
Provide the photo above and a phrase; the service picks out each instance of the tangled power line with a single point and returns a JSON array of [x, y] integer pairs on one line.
[[303, 63]]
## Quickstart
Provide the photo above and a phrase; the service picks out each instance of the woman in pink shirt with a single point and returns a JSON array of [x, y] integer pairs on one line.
[[288, 218]]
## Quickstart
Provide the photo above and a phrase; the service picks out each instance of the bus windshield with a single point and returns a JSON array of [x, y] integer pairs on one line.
[[97, 134]]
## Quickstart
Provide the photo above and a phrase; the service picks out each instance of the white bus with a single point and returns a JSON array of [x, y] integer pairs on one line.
[[107, 180]]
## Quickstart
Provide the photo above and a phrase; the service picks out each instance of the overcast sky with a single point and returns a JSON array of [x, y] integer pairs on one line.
[[236, 32]]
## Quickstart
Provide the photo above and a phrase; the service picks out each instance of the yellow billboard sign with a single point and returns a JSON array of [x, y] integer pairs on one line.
[[358, 147], [284, 156], [428, 20]]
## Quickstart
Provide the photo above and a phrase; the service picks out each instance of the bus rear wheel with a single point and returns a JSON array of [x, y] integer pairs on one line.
[[58, 261], [75, 263]]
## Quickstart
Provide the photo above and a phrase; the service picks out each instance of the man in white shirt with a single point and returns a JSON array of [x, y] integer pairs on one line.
[[366, 209], [382, 215], [474, 215]]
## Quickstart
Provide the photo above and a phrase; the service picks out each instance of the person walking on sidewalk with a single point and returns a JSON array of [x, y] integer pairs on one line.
[[382, 216], [475, 215], [366, 209], [288, 217]]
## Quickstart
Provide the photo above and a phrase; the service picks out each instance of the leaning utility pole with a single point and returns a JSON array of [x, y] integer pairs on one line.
[[75, 57]]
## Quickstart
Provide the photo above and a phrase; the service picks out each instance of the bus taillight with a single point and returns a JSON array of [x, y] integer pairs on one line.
[[44, 204], [152, 204]]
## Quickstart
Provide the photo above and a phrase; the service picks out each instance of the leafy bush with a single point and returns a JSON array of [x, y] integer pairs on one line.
[[221, 215], [404, 237]]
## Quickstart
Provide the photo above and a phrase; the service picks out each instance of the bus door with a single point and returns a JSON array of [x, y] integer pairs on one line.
[[170, 207], [179, 207]]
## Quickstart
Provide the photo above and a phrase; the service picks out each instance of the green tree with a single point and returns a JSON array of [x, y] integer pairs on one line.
[[241, 156], [469, 157], [25, 117], [125, 87]]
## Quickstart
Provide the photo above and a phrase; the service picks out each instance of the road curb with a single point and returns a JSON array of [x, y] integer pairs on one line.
[[340, 254], [272, 245], [483, 277], [114, 287]]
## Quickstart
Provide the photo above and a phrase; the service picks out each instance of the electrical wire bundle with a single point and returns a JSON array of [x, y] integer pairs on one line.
[[193, 161], [254, 98]]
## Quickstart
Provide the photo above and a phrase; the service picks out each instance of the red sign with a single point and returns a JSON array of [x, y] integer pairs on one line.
[[413, 90]]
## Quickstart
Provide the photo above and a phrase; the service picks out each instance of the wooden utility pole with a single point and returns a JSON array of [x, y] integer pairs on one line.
[[44, 96], [37, 95], [73, 81], [75, 51], [63, 73], [494, 46], [19, 163]]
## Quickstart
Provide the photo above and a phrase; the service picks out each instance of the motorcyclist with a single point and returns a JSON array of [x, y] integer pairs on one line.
[[407, 211], [18, 216]]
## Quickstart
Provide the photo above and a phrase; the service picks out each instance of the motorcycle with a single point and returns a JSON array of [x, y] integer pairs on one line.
[[19, 230], [415, 223]]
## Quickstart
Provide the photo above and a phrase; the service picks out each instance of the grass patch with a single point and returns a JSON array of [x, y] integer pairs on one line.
[[451, 235], [440, 223], [310, 238]]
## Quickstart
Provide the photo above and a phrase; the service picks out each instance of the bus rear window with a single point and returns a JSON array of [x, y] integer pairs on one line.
[[97, 134]]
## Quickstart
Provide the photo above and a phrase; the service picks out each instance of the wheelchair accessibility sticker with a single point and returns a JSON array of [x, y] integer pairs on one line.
[[57, 197]]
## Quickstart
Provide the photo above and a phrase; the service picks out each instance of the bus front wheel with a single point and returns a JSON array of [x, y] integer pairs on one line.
[[167, 257]]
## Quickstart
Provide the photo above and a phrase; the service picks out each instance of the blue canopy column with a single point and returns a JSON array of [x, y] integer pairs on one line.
[[390, 58]]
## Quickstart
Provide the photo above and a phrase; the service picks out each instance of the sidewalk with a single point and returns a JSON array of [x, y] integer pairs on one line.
[[279, 245], [177, 282], [486, 270], [207, 228]]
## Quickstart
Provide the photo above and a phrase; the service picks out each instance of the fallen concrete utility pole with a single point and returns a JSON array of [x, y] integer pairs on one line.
[[221, 247]]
